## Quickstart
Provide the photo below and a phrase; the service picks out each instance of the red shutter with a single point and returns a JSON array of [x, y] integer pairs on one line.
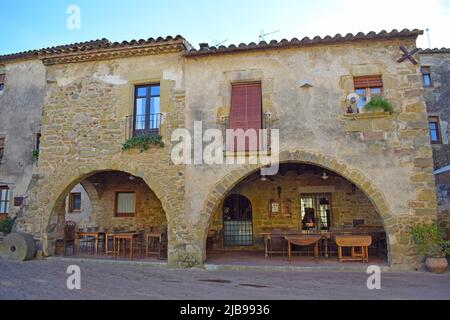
[[368, 82], [246, 111]]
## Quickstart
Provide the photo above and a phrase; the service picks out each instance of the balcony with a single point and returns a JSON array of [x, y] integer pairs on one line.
[[143, 125], [265, 143]]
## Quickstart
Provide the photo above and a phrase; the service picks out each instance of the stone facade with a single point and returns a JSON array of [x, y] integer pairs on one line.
[[437, 98], [89, 94]]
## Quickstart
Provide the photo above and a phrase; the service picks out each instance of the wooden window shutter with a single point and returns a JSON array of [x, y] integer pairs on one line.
[[246, 110], [2, 78], [368, 82]]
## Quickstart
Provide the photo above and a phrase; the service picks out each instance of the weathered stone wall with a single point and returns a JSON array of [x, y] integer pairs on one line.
[[346, 205], [83, 129], [389, 157], [437, 98], [20, 121]]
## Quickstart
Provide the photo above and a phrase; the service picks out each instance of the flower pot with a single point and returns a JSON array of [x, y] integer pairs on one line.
[[436, 265]]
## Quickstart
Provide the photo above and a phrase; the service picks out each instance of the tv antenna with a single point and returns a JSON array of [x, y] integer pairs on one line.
[[217, 43], [428, 36], [262, 34]]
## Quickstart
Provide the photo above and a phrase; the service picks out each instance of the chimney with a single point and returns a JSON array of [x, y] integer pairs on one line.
[[204, 46]]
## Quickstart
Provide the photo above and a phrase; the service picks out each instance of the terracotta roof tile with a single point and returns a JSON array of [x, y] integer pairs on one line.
[[274, 44], [435, 50], [89, 46]]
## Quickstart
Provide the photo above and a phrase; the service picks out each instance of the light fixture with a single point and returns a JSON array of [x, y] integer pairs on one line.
[[132, 178], [263, 178], [325, 176], [306, 84]]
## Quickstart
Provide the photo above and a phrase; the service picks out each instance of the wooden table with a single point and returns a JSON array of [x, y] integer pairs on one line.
[[362, 242], [118, 238], [324, 235], [93, 234], [152, 238], [304, 240]]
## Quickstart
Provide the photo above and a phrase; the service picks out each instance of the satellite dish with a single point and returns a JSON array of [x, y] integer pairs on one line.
[[353, 98]]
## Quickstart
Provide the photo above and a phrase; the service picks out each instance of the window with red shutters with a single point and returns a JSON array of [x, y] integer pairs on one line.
[[246, 113]]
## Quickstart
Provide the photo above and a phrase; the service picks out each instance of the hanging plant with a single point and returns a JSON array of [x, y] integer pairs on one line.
[[143, 142], [35, 154], [379, 103]]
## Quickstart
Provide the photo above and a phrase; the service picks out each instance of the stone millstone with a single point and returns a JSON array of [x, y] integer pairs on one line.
[[18, 247]]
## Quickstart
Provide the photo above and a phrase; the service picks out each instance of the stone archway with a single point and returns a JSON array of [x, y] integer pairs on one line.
[[50, 214], [233, 178]]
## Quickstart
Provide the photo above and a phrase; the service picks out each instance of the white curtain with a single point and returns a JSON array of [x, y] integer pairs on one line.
[[126, 203]]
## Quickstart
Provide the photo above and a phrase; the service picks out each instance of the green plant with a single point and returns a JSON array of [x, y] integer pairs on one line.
[[430, 240], [143, 142], [7, 225], [379, 103], [35, 154]]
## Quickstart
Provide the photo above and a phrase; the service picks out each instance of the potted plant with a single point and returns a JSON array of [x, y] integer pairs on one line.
[[431, 244], [379, 104]]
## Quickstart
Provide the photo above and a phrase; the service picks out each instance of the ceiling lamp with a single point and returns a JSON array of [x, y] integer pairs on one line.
[[263, 178], [325, 176]]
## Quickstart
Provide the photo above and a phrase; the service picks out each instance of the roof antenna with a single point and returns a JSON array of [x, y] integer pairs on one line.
[[262, 34], [217, 43], [428, 36]]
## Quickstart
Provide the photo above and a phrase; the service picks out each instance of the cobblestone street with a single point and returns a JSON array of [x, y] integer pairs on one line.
[[47, 280]]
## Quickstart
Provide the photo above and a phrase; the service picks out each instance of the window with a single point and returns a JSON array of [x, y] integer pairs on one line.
[[125, 204], [368, 88], [316, 209], [2, 148], [75, 202], [147, 110], [4, 200], [426, 76], [246, 114], [435, 130], [38, 141], [2, 83]]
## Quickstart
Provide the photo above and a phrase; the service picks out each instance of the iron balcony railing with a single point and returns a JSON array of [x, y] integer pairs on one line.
[[265, 141], [141, 125]]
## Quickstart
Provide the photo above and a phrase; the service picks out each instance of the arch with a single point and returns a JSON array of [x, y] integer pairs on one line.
[[233, 178], [63, 186]]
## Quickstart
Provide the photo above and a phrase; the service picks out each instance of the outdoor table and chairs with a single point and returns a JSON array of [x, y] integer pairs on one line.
[[282, 242]]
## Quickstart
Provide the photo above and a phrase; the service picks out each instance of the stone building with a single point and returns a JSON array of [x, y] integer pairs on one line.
[[349, 168], [436, 79]]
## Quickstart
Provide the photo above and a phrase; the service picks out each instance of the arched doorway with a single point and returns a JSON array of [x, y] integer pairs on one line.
[[237, 221], [120, 204], [301, 198]]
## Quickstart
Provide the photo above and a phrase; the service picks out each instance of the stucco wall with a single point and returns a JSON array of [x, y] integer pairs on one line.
[[21, 111]]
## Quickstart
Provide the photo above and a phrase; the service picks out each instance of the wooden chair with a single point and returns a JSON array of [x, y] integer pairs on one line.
[[277, 243], [69, 238]]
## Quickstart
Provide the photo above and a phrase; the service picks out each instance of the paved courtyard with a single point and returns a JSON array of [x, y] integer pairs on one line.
[[108, 280]]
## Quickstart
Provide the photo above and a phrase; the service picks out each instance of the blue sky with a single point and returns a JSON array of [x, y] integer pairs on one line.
[[36, 24]]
